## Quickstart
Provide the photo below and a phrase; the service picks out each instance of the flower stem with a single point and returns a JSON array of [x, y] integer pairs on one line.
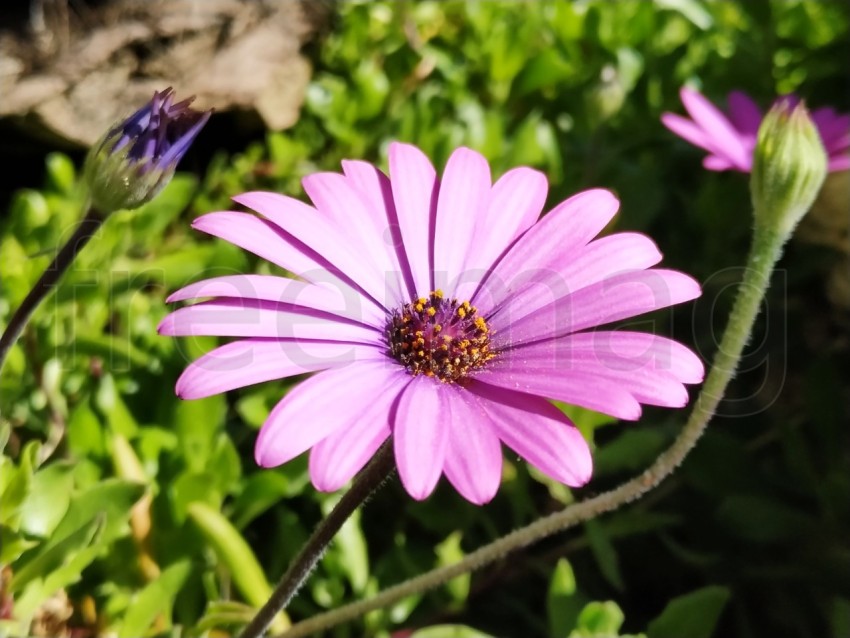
[[369, 480], [48, 280], [765, 251]]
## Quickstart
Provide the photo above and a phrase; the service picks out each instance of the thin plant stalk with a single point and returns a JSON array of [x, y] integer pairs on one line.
[[87, 228], [764, 253], [370, 478]]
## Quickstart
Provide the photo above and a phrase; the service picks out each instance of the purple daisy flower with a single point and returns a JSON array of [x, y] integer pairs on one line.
[[441, 312], [730, 140]]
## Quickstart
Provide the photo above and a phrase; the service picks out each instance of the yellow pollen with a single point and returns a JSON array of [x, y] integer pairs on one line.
[[440, 338]]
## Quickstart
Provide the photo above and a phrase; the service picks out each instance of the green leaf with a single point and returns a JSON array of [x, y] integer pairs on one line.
[[29, 210], [12, 545], [547, 69], [57, 553], [119, 352], [602, 619], [16, 483], [85, 431], [111, 500], [449, 552], [692, 10], [60, 173], [604, 553], [48, 500], [197, 424], [631, 451], [236, 555], [261, 490], [253, 409], [157, 598], [56, 568], [349, 548], [150, 220], [563, 605], [225, 613], [193, 487], [762, 519], [109, 401], [839, 617], [693, 615]]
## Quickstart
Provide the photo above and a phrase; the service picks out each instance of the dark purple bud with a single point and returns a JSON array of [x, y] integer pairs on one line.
[[138, 156]]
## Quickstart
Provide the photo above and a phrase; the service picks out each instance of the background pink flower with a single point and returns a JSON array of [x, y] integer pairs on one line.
[[442, 312], [730, 139]]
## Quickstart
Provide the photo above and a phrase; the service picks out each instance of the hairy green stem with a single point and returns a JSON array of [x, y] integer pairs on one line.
[[370, 479], [48, 280], [765, 251]]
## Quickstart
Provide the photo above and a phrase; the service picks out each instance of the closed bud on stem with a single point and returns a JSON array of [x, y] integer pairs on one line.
[[137, 157], [789, 166]]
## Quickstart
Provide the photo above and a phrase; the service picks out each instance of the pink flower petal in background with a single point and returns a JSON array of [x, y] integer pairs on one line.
[[730, 140], [449, 374]]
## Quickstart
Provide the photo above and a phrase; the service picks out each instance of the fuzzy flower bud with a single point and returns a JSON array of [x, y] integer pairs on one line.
[[789, 166], [137, 157]]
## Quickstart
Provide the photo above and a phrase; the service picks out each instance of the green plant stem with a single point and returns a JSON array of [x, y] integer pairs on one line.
[[48, 280], [370, 478], [765, 251]]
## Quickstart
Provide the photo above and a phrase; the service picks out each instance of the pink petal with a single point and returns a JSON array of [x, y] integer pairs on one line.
[[343, 301], [618, 297], [377, 189], [569, 226], [516, 201], [622, 351], [474, 456], [415, 188], [318, 407], [687, 130], [725, 140], [717, 163], [645, 383], [318, 234], [463, 200], [841, 163], [365, 228], [266, 240], [573, 387], [539, 433], [834, 129], [420, 435], [336, 459], [744, 113], [244, 363], [257, 236], [249, 318], [600, 259]]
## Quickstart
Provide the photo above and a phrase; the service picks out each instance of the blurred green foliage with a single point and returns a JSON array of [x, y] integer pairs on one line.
[[126, 511]]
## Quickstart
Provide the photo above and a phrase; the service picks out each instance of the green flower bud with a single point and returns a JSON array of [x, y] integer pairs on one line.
[[138, 156], [789, 166]]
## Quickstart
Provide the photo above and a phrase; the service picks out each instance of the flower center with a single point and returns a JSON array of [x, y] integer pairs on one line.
[[439, 338]]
